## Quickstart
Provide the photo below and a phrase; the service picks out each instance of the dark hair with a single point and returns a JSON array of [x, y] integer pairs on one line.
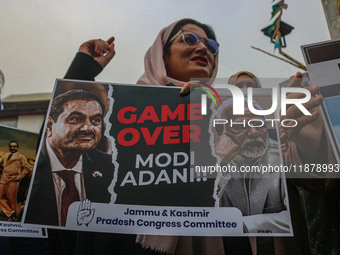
[[58, 102], [207, 29], [13, 141]]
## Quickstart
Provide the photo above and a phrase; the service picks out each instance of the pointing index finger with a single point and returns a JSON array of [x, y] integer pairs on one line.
[[110, 40]]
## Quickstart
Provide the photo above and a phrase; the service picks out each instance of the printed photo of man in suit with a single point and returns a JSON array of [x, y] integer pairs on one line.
[[70, 168], [244, 143], [15, 168]]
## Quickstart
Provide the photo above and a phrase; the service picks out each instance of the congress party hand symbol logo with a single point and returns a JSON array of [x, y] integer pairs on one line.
[[85, 213]]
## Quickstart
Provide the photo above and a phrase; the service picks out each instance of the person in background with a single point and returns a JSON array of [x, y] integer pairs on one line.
[[244, 79]]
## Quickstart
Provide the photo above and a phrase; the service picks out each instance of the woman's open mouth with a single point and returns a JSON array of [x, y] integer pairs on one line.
[[201, 60]]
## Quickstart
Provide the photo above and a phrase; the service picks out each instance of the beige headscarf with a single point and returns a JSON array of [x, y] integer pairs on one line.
[[233, 79], [155, 74], [154, 68]]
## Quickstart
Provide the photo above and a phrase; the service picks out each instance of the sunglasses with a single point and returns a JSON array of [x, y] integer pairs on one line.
[[191, 39]]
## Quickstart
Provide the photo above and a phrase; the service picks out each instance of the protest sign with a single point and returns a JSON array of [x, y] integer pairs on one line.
[[129, 151], [17, 157], [323, 64]]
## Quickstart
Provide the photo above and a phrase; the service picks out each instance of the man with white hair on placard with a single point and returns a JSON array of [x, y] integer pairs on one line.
[[244, 144]]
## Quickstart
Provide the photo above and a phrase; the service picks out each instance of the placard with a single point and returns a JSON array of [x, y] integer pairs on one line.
[[17, 157], [323, 64], [129, 151]]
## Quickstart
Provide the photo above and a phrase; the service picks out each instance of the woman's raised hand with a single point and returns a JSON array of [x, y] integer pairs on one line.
[[101, 51]]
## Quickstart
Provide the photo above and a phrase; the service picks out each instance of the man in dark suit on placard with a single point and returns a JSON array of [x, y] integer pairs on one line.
[[70, 168]]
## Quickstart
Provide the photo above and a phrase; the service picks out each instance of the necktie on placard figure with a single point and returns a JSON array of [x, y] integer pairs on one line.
[[70, 193]]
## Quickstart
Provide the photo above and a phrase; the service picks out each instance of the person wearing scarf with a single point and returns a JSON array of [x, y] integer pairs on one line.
[[168, 61], [244, 79]]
